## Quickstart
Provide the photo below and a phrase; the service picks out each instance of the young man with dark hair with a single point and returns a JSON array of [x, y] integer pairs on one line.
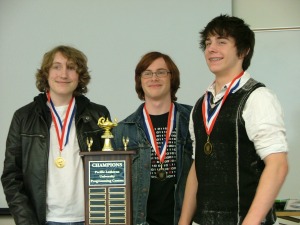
[[240, 147]]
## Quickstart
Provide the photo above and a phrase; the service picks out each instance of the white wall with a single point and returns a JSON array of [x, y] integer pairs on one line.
[[114, 34], [268, 13]]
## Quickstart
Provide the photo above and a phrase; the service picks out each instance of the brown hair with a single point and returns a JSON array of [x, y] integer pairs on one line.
[[145, 62], [71, 54]]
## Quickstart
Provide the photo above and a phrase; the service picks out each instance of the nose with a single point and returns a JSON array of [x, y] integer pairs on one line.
[[154, 76], [64, 72], [211, 47]]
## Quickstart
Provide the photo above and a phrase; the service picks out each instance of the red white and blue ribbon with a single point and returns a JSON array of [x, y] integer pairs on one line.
[[209, 118], [62, 129], [160, 152]]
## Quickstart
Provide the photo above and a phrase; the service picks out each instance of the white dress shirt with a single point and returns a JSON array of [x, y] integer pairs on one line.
[[263, 118]]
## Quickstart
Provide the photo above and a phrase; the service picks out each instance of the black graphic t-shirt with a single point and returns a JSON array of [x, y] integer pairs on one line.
[[160, 206]]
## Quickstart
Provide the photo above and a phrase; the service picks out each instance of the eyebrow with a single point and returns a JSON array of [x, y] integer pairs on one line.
[[223, 37], [218, 37], [157, 69], [68, 63]]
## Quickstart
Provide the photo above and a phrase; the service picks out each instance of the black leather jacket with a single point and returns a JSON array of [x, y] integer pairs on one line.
[[26, 158]]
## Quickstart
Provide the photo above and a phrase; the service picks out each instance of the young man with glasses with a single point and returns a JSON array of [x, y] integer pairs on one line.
[[158, 131], [240, 146]]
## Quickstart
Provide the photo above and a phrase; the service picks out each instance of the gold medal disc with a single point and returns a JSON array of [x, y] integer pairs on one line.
[[208, 148], [60, 162], [161, 174]]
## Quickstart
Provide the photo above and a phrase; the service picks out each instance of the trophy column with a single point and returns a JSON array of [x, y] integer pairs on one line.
[[107, 180]]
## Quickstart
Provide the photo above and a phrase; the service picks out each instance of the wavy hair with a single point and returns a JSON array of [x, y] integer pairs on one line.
[[72, 54]]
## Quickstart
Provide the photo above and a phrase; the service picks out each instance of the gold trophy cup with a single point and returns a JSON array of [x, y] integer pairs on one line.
[[107, 126]]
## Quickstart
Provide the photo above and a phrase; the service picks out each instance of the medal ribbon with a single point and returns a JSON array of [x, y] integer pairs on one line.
[[209, 119], [160, 152], [62, 135]]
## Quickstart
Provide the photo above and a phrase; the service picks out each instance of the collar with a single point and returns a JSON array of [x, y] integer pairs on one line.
[[216, 97]]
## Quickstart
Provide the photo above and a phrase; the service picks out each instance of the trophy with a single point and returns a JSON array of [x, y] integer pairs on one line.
[[107, 126], [125, 142], [89, 142], [107, 180]]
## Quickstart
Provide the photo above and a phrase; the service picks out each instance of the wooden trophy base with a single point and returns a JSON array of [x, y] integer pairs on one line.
[[107, 181]]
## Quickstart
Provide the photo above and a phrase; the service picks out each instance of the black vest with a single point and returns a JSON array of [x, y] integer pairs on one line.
[[229, 176]]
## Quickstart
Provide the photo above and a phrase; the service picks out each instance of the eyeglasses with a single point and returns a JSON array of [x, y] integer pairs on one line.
[[159, 73]]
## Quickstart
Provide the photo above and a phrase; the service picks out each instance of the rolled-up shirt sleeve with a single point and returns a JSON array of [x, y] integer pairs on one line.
[[263, 116]]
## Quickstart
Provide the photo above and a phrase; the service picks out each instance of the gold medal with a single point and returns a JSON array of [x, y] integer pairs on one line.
[[208, 147], [210, 114], [60, 162], [65, 126], [161, 174]]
